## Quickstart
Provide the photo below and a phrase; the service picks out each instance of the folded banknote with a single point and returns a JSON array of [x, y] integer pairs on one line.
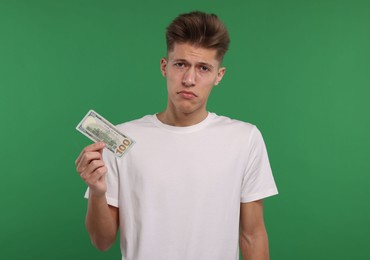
[[98, 129]]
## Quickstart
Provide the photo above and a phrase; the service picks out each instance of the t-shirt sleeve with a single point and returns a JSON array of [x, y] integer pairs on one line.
[[258, 181], [111, 178]]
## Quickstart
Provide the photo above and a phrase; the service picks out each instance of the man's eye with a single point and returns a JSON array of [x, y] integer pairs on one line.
[[204, 68], [180, 65]]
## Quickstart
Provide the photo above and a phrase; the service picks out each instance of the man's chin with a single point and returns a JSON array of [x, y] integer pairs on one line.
[[188, 110], [186, 107]]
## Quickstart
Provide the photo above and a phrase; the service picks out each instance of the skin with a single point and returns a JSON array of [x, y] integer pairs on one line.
[[191, 73], [253, 238], [102, 220], [189, 69]]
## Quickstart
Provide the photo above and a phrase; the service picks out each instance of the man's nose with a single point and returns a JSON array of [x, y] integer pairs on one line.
[[189, 78]]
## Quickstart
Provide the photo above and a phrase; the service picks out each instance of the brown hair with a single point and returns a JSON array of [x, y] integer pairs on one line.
[[199, 29]]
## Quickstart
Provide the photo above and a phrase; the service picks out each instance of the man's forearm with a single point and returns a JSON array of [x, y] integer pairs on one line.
[[254, 247], [100, 224]]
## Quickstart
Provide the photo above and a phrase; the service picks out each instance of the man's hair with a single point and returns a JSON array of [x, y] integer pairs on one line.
[[199, 29]]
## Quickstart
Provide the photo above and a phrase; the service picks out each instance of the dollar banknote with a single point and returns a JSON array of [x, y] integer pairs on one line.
[[98, 129]]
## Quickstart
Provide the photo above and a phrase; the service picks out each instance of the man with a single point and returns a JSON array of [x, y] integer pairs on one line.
[[192, 185]]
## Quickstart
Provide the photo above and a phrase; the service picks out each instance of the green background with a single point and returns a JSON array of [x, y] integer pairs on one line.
[[299, 70]]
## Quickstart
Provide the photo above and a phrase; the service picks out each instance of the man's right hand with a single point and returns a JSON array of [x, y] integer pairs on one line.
[[91, 167], [102, 220]]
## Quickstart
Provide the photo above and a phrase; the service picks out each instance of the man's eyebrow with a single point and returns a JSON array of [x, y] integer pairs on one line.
[[206, 64], [180, 60], [198, 63]]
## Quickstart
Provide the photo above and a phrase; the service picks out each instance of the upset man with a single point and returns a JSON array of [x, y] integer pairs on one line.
[[192, 185]]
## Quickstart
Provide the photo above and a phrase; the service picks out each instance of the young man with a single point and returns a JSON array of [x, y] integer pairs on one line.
[[192, 185]]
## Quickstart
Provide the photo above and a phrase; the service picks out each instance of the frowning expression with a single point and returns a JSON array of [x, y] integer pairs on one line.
[[191, 73]]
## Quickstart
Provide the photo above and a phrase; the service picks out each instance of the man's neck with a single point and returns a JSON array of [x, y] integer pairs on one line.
[[172, 118]]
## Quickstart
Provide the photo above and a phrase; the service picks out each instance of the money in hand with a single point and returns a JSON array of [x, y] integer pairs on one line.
[[98, 129]]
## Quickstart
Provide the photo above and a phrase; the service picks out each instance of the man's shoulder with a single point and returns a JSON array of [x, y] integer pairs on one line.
[[231, 123], [135, 123], [238, 129]]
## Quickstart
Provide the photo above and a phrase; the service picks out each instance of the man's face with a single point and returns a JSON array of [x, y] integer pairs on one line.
[[191, 73]]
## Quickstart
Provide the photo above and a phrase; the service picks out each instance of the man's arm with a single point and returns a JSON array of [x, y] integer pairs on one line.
[[253, 235], [101, 219], [101, 222]]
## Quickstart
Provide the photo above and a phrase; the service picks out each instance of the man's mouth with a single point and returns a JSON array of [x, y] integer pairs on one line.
[[187, 94]]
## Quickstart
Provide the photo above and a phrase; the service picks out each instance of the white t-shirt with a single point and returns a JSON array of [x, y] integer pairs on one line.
[[179, 189]]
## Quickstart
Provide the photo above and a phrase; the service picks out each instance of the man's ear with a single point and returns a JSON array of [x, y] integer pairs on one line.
[[163, 66], [220, 74]]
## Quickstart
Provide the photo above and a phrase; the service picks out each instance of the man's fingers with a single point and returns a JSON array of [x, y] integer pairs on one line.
[[92, 178], [90, 148], [86, 159], [97, 174], [93, 166]]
